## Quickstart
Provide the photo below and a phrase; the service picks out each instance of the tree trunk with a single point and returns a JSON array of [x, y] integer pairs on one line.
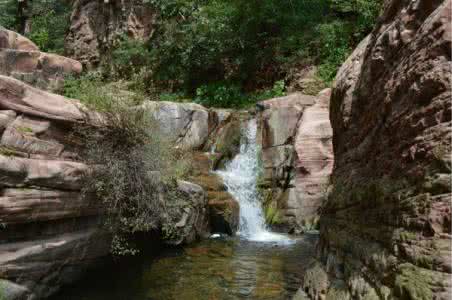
[[23, 16]]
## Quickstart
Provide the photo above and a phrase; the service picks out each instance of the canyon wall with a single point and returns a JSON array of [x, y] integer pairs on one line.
[[297, 157], [97, 26], [49, 232], [385, 231]]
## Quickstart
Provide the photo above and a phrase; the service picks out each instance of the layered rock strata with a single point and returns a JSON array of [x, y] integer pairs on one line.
[[49, 233], [20, 58], [385, 232], [295, 135]]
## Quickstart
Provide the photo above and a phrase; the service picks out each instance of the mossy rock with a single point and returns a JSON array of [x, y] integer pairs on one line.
[[338, 291], [413, 282], [224, 212]]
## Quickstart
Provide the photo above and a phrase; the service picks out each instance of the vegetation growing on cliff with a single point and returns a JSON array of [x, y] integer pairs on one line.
[[133, 163], [219, 53], [237, 47], [45, 22]]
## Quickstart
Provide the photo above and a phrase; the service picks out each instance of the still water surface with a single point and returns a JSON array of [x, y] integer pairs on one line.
[[257, 264], [230, 268]]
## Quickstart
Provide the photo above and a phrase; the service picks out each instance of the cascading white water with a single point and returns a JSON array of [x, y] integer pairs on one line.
[[240, 177]]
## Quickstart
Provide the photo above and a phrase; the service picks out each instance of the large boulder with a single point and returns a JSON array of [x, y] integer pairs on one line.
[[385, 230], [186, 124], [295, 135], [97, 26], [186, 218], [20, 58]]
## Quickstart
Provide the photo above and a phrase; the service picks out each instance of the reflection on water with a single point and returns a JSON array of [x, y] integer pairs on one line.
[[214, 269]]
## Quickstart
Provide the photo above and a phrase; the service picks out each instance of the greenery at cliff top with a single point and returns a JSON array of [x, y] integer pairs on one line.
[[227, 53], [48, 22], [220, 53]]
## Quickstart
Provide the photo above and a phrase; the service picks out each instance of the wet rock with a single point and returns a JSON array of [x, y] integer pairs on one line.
[[224, 140], [223, 209]]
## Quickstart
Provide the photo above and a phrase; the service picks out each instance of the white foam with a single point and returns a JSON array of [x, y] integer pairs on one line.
[[240, 177]]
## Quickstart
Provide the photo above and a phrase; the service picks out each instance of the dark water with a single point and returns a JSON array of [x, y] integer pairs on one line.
[[213, 269]]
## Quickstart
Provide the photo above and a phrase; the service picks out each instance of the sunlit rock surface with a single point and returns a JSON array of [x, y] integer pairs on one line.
[[20, 58], [295, 135], [49, 233]]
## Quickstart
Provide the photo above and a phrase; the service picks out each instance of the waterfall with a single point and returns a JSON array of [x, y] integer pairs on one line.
[[240, 177]]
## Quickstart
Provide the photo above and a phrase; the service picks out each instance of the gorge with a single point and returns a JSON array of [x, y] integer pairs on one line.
[[340, 192]]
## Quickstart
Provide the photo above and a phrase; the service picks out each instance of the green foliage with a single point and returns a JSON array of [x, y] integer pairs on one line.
[[272, 215], [134, 163], [2, 291], [174, 97], [125, 153], [333, 47], [91, 90], [215, 50], [364, 12], [49, 28], [49, 21], [278, 90], [129, 58], [219, 95], [8, 9], [225, 95]]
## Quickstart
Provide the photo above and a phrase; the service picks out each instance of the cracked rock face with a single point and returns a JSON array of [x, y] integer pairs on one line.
[[385, 230], [97, 26], [295, 134], [187, 124], [49, 232]]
